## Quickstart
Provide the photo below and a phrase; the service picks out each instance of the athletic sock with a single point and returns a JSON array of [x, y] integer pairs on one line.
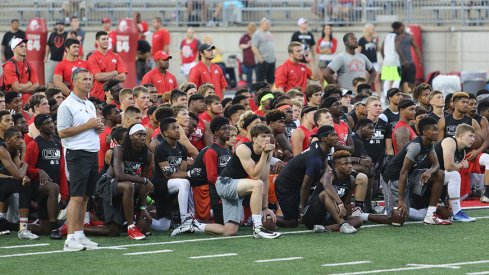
[[256, 220], [79, 234], [359, 204], [4, 215], [130, 226], [364, 216], [87, 218], [430, 211], [23, 224], [455, 206]]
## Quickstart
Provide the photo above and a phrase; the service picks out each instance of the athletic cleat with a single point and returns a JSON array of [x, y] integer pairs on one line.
[[260, 232], [55, 234], [27, 235], [135, 233], [484, 199], [185, 226], [73, 244], [436, 220], [320, 229], [356, 212], [346, 228], [86, 242], [462, 217]]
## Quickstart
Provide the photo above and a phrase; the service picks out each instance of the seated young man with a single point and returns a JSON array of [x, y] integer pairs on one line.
[[329, 204], [276, 121], [294, 182], [404, 176], [46, 161], [245, 174]]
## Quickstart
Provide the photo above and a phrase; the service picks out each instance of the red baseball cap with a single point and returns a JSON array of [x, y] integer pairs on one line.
[[106, 20], [161, 55]]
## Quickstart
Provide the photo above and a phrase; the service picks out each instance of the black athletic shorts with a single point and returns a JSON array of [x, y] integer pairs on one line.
[[112, 201], [315, 213], [408, 73], [83, 172]]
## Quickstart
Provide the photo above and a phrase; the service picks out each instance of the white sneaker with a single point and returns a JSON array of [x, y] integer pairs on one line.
[[320, 229], [261, 233], [72, 244], [185, 226], [27, 235], [356, 212], [347, 228], [86, 242], [484, 199]]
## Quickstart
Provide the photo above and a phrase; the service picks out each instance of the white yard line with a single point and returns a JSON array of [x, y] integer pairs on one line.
[[148, 252], [25, 245], [478, 273], [435, 266], [213, 256], [279, 260], [31, 254], [347, 263]]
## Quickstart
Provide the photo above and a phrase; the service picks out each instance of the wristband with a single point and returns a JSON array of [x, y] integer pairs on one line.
[[340, 204]]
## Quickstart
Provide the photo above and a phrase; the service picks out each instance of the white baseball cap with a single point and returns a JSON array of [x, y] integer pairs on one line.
[[301, 21], [16, 41]]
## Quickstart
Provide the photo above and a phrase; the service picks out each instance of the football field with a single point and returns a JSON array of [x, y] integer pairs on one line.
[[412, 249]]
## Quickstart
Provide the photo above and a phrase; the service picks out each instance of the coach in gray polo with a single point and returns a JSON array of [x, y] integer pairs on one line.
[[78, 128]]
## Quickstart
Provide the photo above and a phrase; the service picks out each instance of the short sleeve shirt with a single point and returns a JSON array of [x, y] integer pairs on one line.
[[164, 82], [347, 67], [65, 68], [99, 63]]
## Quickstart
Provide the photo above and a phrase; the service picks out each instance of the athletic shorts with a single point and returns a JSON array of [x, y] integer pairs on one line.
[[227, 189], [185, 68], [408, 73], [9, 186], [83, 170], [413, 186], [289, 203], [390, 73], [315, 213], [112, 201]]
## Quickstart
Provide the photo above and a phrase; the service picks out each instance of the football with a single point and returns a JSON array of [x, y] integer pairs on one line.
[[444, 212], [396, 218], [269, 224]]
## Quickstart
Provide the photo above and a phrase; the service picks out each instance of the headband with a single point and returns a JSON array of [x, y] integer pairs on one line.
[[266, 97], [249, 120], [136, 128], [283, 107]]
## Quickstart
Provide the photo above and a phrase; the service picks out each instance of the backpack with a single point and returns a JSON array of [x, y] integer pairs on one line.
[[5, 88]]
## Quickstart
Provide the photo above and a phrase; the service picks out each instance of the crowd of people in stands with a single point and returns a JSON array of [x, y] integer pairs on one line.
[[307, 142]]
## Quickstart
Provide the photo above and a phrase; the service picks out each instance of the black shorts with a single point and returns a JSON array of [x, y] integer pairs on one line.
[[289, 204], [83, 172], [42, 203], [408, 73], [315, 213], [112, 201], [9, 186]]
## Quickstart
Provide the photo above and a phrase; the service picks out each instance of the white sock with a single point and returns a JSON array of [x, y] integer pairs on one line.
[[130, 226], [199, 227], [87, 218], [430, 211], [417, 214], [256, 220], [455, 205], [79, 234], [162, 224], [364, 217]]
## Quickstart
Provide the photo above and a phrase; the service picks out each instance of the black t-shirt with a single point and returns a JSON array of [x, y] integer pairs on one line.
[[164, 152], [375, 147], [310, 162], [342, 186], [369, 49], [289, 128], [56, 44], [414, 151], [451, 124], [392, 118], [49, 156], [358, 146], [458, 156], [223, 156], [133, 162], [7, 37], [234, 169], [307, 39], [435, 117]]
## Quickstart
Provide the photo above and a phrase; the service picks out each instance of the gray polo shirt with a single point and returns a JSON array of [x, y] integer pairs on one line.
[[347, 67], [263, 41], [73, 112]]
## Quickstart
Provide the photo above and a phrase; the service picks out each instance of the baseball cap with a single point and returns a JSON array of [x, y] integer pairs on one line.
[[16, 41], [60, 22], [206, 47], [301, 21], [345, 92], [324, 131], [405, 103], [161, 55], [106, 20], [392, 91]]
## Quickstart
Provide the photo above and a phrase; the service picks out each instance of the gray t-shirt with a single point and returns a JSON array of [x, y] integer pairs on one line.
[[347, 67], [405, 43], [263, 41]]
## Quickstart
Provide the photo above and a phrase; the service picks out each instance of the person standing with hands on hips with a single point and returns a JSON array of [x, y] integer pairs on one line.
[[78, 128]]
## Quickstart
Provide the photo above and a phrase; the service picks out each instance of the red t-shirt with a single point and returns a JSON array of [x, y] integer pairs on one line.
[[197, 137], [291, 75], [26, 72], [400, 124], [112, 41], [201, 74], [342, 131], [65, 68], [99, 63], [189, 51], [164, 82], [103, 146], [205, 117], [161, 38]]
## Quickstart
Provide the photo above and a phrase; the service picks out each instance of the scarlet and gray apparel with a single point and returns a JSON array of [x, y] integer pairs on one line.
[[48, 155], [56, 43], [415, 151], [211, 160], [288, 183], [234, 169], [375, 147], [174, 156], [458, 156], [451, 124]]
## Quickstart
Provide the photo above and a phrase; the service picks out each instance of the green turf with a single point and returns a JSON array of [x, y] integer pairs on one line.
[[386, 248]]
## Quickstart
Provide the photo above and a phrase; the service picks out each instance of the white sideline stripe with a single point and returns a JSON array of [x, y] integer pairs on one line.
[[279, 260], [435, 266], [26, 245], [148, 252], [347, 263], [31, 254], [213, 256], [475, 207], [413, 268], [478, 273], [194, 240]]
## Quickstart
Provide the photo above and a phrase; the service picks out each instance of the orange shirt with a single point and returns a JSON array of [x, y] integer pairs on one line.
[[161, 38], [290, 75], [26, 73], [164, 82], [65, 68], [99, 63], [201, 74]]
